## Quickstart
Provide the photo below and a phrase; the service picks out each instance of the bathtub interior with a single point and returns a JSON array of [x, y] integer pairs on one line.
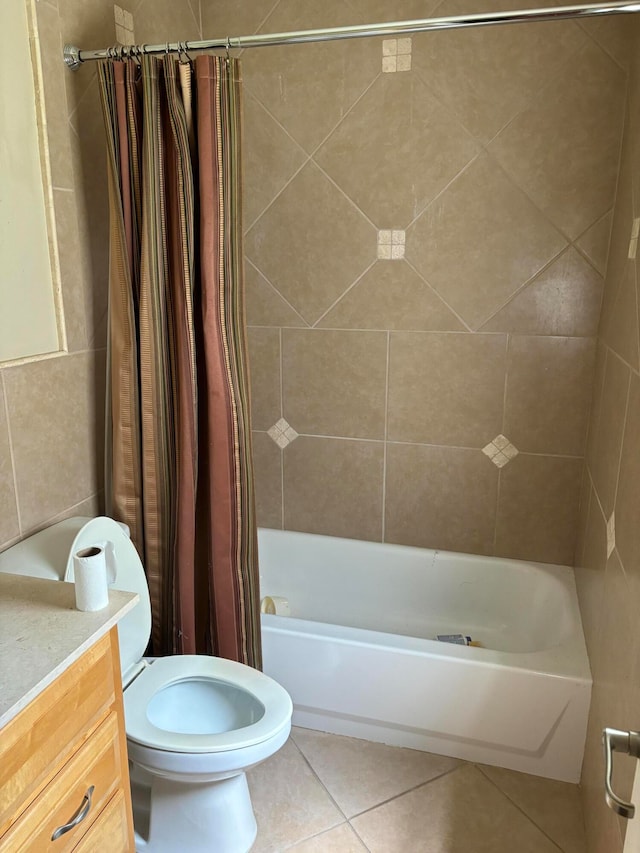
[[505, 605]]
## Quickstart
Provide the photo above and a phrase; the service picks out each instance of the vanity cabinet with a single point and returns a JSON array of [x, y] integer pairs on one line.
[[64, 779]]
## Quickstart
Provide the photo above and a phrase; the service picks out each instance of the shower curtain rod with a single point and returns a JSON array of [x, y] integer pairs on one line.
[[74, 57]]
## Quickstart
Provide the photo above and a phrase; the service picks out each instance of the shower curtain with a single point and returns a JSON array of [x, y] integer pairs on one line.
[[179, 469]]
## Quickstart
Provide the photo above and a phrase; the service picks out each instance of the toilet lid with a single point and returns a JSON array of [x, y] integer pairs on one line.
[[196, 703]]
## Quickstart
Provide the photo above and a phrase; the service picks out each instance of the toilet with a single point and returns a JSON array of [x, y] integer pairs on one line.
[[195, 724]]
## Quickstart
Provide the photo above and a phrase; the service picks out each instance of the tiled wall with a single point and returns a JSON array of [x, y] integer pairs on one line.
[[427, 223], [608, 553], [52, 410]]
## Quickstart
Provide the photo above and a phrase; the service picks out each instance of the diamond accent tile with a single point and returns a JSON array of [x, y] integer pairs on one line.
[[500, 451], [282, 433], [396, 55], [391, 245], [611, 534]]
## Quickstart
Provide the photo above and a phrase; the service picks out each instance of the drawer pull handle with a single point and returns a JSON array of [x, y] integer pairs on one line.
[[79, 816]]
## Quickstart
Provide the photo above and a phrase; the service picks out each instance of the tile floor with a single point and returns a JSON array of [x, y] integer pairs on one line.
[[328, 794]]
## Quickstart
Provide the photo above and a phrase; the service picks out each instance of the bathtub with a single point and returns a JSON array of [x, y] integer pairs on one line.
[[358, 656]]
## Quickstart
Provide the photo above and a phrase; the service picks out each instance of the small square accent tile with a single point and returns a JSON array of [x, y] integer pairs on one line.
[[396, 55], [124, 25], [500, 451], [611, 535], [282, 433], [391, 245]]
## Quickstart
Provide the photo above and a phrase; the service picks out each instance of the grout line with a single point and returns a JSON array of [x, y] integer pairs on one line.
[[11, 453], [517, 806], [425, 444], [386, 433], [622, 439]]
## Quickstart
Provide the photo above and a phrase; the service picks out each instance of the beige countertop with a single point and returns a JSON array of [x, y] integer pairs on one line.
[[42, 633]]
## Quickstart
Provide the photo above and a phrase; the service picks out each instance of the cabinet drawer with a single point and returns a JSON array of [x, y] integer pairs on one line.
[[97, 765], [36, 743], [110, 832]]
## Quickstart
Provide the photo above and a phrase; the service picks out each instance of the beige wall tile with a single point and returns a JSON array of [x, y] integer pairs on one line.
[[620, 229], [282, 78], [339, 244], [265, 306], [605, 461], [613, 34], [391, 295], [486, 76], [267, 469], [549, 393], [334, 487], [538, 508], [628, 497], [53, 72], [9, 524], [446, 388], [563, 300], [582, 111], [471, 252], [334, 382], [234, 18], [440, 497], [619, 327], [56, 415], [160, 22], [73, 282], [271, 158], [264, 366], [408, 149], [596, 401], [595, 242], [590, 570]]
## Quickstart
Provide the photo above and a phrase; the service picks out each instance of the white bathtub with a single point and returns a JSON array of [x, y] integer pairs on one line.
[[358, 657]]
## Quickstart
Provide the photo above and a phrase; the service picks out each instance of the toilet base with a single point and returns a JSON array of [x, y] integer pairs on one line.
[[170, 817]]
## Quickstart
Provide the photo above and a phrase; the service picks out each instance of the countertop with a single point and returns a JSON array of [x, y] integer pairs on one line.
[[42, 633]]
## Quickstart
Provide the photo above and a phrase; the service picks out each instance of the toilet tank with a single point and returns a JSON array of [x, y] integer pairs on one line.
[[49, 554]]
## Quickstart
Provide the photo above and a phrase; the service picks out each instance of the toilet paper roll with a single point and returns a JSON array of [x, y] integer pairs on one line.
[[276, 605], [90, 578]]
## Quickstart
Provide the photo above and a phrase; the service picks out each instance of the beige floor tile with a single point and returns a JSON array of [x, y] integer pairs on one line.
[[460, 813], [342, 839], [289, 802], [553, 806], [359, 774]]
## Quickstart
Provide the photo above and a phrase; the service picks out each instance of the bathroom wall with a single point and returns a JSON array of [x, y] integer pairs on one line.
[[51, 409], [427, 223], [608, 551]]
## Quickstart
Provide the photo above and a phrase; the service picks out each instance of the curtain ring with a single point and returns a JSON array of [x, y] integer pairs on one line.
[[182, 52], [228, 48]]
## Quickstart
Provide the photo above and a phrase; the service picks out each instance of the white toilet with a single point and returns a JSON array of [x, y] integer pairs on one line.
[[195, 724]]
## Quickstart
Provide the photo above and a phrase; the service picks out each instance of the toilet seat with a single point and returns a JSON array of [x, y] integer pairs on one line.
[[168, 671]]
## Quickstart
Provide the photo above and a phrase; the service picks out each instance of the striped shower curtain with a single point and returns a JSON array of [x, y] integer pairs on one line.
[[178, 427]]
